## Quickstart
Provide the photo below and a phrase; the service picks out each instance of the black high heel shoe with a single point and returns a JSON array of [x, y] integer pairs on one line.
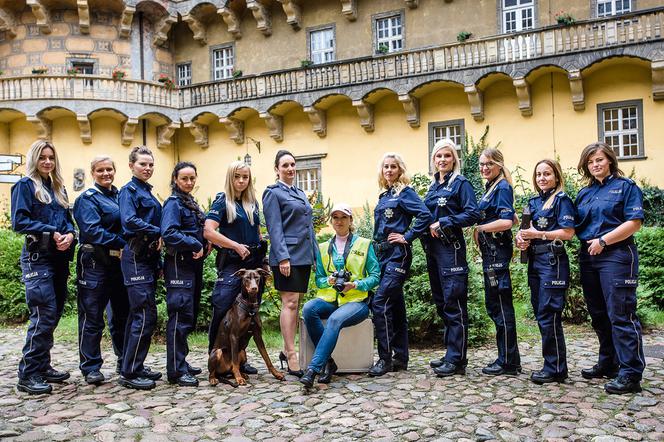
[[282, 359]]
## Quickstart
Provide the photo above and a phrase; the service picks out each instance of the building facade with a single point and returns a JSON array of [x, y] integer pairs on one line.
[[337, 82]]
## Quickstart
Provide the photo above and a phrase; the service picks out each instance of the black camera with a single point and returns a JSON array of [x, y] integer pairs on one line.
[[341, 277]]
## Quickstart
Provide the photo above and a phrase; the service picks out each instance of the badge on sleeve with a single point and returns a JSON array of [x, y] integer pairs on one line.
[[389, 213]]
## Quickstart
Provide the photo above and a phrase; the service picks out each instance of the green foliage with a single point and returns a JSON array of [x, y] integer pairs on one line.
[[650, 241], [421, 183], [364, 223], [470, 160], [653, 205], [12, 295]]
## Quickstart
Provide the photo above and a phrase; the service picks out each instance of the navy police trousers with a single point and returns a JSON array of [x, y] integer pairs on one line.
[[388, 305], [183, 278], [548, 279], [45, 277], [499, 306], [140, 278], [609, 283], [99, 286], [448, 276]]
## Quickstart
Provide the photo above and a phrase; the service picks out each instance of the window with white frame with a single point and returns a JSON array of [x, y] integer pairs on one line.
[[606, 8], [389, 33], [184, 74], [222, 62], [518, 15], [452, 129], [620, 126], [308, 174], [322, 45]]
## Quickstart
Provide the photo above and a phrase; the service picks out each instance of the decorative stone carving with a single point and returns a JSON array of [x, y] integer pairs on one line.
[[128, 130], [235, 128], [79, 180], [349, 9], [125, 21], [523, 96], [41, 14], [365, 110], [412, 4], [262, 15], [232, 21], [411, 105], [84, 127], [293, 11], [43, 125], [318, 118], [576, 88], [165, 134], [275, 124], [161, 29], [200, 133], [83, 16], [7, 23], [476, 101], [657, 67], [198, 28]]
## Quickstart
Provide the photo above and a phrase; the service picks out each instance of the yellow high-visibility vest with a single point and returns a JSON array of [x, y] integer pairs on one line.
[[355, 263]]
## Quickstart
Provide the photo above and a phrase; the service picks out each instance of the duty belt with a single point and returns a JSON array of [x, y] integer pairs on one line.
[[546, 247], [609, 247], [382, 246]]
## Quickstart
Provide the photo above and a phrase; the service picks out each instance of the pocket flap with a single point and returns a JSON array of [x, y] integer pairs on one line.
[[460, 270], [556, 284], [35, 275], [291, 239], [88, 283], [178, 283], [625, 282], [138, 279]]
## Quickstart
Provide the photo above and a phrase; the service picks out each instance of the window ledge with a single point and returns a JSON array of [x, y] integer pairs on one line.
[[639, 158]]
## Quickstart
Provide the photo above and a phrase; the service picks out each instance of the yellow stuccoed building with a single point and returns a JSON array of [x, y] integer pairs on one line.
[[337, 82]]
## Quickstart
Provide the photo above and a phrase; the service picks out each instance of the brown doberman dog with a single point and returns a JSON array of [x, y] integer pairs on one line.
[[241, 322]]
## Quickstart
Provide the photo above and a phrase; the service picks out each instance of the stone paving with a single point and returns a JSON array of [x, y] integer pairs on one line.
[[410, 406]]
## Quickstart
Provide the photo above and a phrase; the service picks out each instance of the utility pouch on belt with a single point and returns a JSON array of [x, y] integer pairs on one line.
[[40, 243], [143, 246], [491, 275], [222, 254], [487, 244], [446, 236]]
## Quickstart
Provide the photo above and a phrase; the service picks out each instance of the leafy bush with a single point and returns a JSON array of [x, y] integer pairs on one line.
[[653, 205]]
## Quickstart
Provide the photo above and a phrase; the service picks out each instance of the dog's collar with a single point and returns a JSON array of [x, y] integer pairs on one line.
[[250, 307]]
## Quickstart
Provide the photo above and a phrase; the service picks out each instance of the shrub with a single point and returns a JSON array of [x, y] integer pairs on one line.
[[653, 205]]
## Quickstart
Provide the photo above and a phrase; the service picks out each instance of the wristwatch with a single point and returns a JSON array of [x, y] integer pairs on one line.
[[602, 242]]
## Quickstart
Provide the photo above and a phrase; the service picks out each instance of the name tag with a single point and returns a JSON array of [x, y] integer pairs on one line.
[[177, 282], [31, 275], [559, 283], [456, 269], [137, 278]]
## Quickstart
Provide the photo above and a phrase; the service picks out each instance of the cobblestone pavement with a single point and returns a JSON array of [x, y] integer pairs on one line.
[[411, 405]]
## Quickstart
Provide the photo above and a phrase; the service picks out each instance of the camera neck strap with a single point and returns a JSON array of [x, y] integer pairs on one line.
[[346, 251]]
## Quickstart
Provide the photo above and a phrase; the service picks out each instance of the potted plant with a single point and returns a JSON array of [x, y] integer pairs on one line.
[[306, 63], [463, 36], [2, 72], [383, 48], [39, 70], [565, 18], [73, 71], [237, 73], [118, 74]]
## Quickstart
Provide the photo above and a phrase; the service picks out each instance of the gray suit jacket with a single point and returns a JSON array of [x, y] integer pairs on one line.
[[288, 216]]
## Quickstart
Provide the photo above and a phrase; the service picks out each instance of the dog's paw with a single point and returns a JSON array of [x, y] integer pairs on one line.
[[279, 376], [241, 381], [213, 381], [245, 376]]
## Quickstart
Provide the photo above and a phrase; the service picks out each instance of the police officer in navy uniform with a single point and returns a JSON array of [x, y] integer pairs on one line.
[[140, 214], [293, 248], [233, 226], [40, 210], [396, 208], [494, 237], [452, 203], [552, 218], [182, 234], [97, 214], [609, 213]]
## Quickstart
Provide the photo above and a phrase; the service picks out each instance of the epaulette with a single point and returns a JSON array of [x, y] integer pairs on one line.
[[272, 186], [132, 187]]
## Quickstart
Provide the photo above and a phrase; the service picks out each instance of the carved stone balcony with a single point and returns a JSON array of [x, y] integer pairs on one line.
[[570, 48]]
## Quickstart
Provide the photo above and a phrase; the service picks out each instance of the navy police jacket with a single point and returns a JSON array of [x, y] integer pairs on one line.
[[559, 216], [289, 221], [31, 216], [452, 205], [393, 214], [241, 230], [140, 212], [181, 227], [499, 204], [601, 207], [97, 214]]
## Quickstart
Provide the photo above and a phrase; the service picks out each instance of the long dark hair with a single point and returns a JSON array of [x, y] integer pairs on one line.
[[187, 199], [591, 150]]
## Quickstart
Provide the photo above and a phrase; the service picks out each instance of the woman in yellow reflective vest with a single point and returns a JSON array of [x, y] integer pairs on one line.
[[346, 269]]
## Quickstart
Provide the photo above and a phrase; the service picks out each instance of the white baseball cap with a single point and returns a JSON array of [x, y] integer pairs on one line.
[[343, 208]]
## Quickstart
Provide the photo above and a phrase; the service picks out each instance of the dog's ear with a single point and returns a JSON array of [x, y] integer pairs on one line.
[[264, 273], [240, 273]]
